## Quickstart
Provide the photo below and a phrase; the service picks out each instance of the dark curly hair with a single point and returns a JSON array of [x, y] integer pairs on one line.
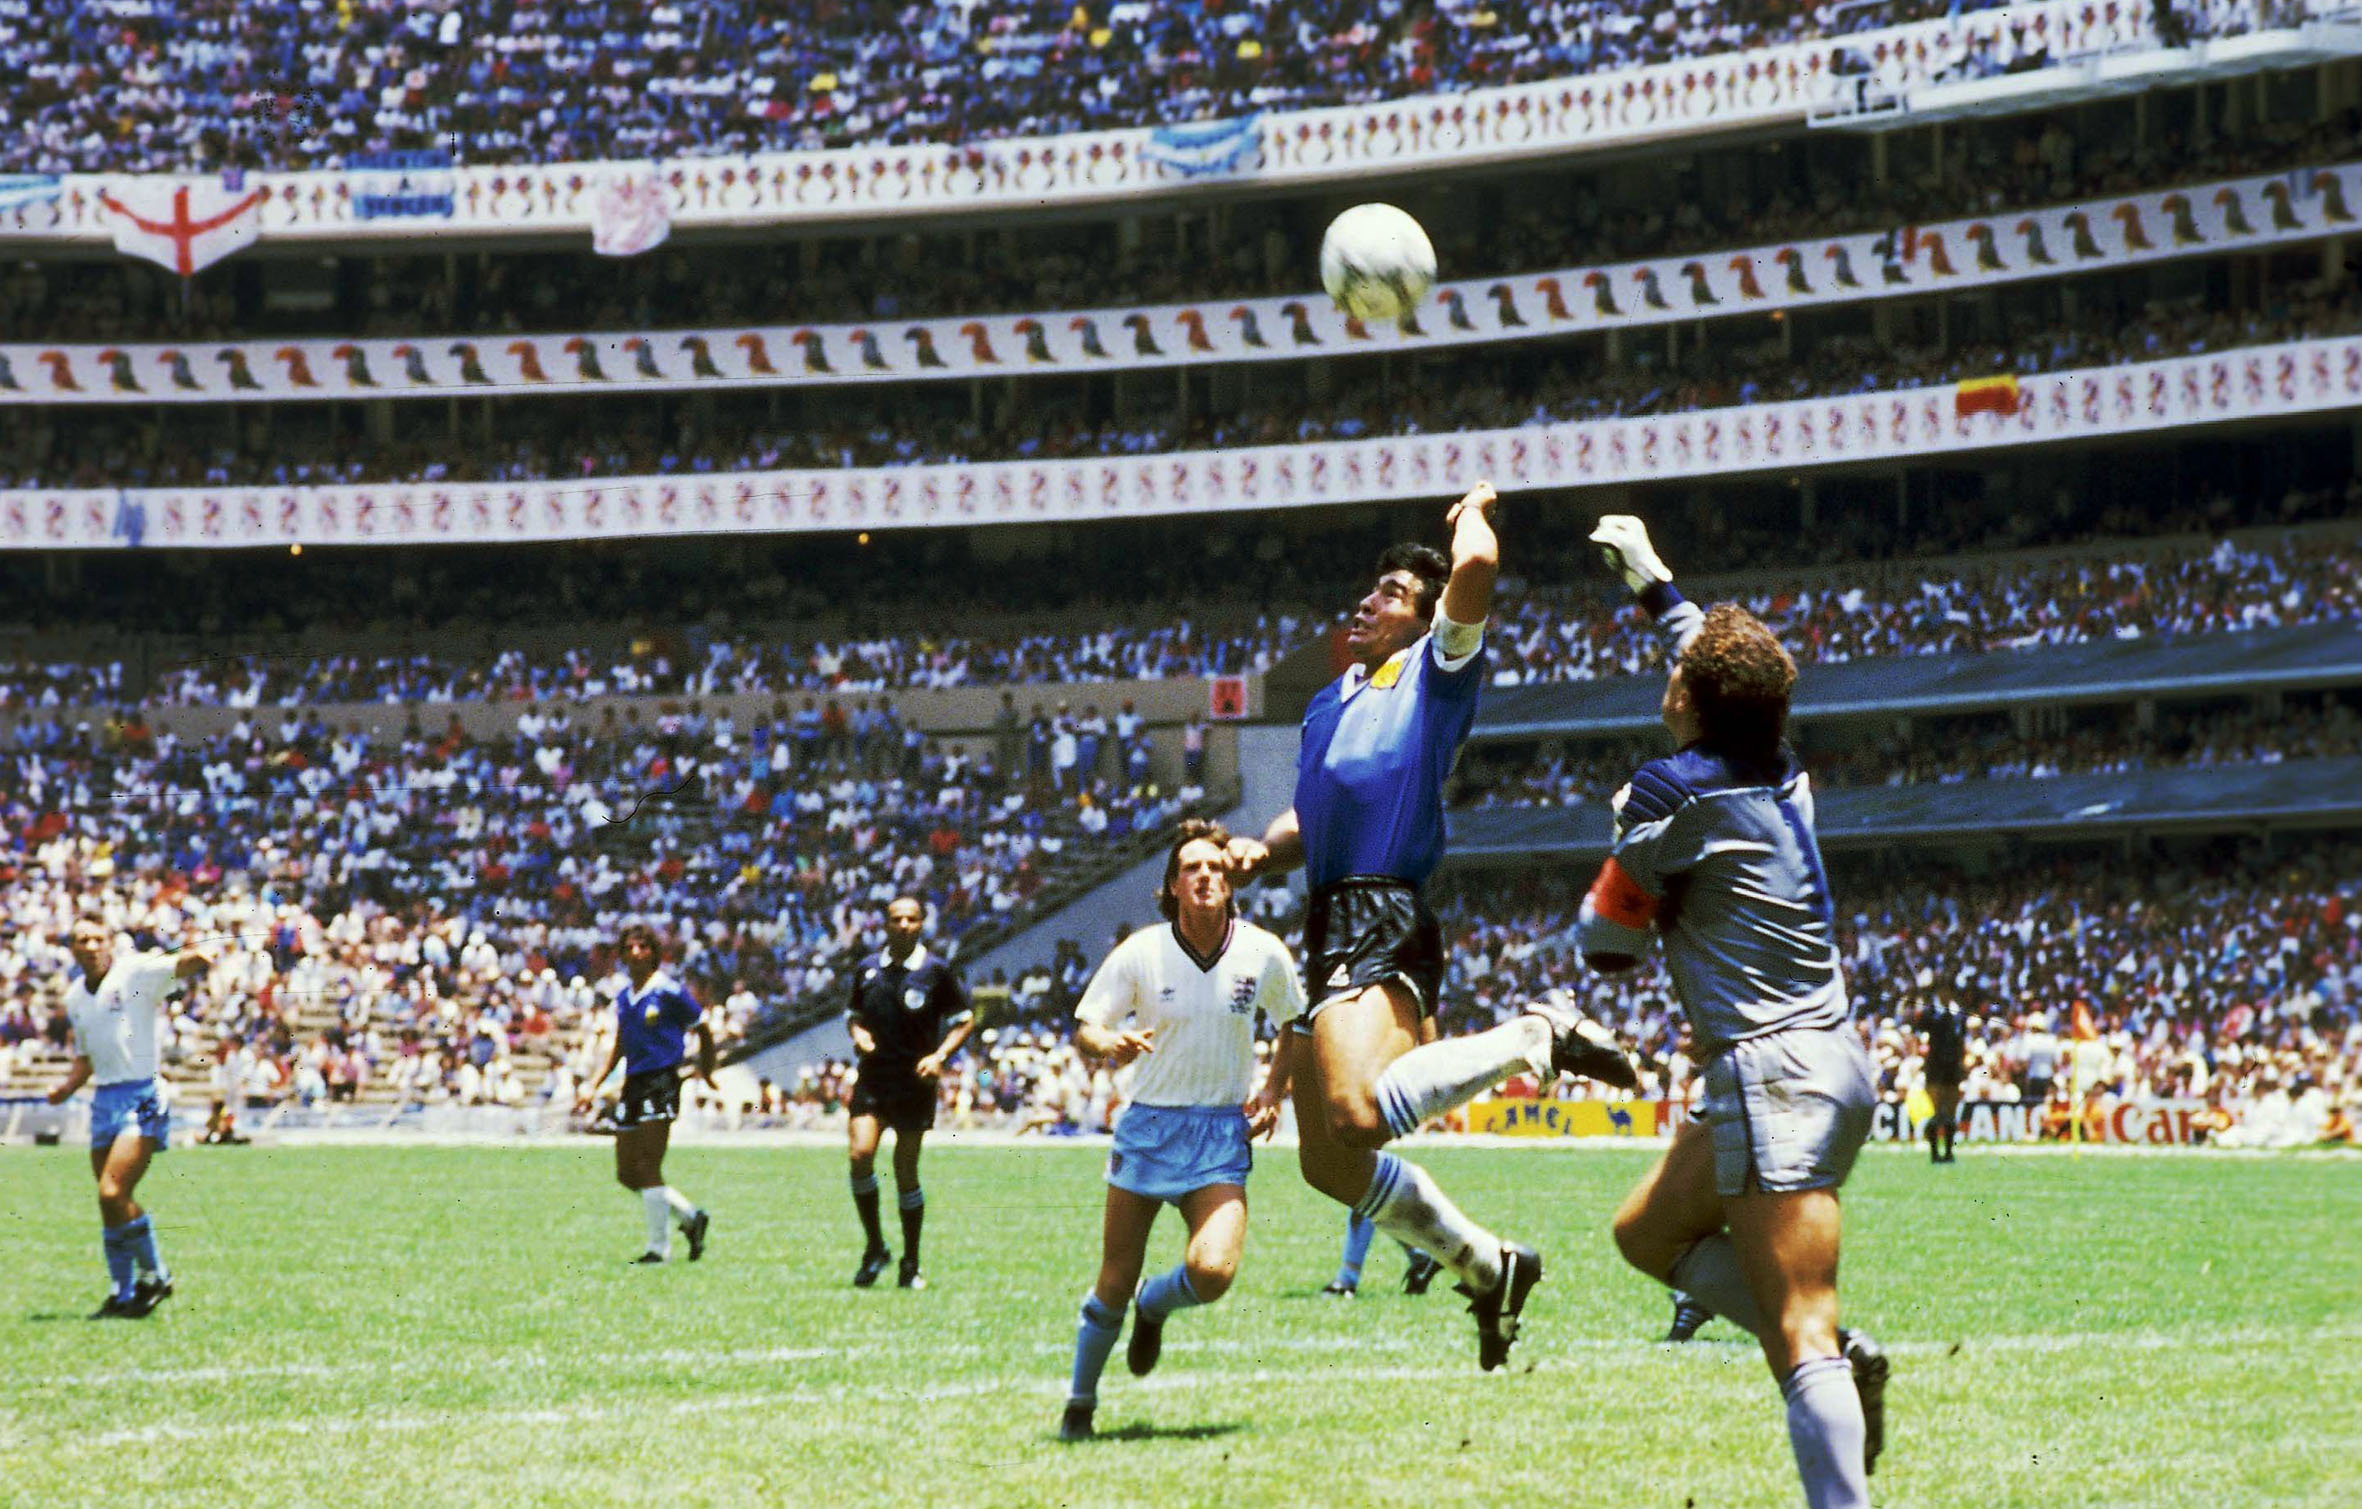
[[1431, 566], [1192, 830], [1739, 679]]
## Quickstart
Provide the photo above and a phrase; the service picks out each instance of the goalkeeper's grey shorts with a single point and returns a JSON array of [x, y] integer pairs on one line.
[[1789, 1110]]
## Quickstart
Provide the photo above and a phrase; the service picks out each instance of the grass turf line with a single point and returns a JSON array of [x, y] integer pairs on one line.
[[406, 1326]]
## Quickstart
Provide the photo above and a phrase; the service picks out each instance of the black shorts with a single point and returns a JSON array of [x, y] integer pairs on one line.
[[649, 1099], [900, 1102], [1366, 930]]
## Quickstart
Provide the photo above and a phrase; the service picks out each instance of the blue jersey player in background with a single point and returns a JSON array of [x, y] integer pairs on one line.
[[654, 1015], [1715, 857], [1367, 826]]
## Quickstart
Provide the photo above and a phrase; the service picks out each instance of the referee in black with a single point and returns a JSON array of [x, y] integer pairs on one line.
[[908, 1016], [1946, 1027]]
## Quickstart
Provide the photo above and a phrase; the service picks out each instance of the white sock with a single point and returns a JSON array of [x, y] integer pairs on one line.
[[660, 1236], [1448, 1074], [679, 1203], [1405, 1204]]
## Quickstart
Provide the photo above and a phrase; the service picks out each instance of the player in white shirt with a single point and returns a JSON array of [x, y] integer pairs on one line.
[[1181, 1000], [115, 1007]]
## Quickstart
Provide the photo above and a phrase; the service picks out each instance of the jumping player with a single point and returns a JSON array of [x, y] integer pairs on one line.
[[1367, 825], [1419, 1270], [654, 1014], [1946, 1027], [114, 1006], [1191, 991], [908, 1016], [1714, 853]]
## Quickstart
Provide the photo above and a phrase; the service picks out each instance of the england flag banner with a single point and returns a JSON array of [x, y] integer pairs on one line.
[[186, 224]]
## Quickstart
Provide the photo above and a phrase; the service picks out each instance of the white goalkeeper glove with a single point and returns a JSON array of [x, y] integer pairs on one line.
[[1623, 544]]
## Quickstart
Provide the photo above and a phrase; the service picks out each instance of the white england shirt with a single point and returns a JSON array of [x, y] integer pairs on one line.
[[1203, 1010], [115, 1026]]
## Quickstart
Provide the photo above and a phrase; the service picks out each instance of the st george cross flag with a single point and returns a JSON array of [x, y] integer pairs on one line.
[[631, 213], [184, 223]]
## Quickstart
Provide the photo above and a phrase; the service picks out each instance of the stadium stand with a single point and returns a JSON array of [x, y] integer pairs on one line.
[[580, 82]]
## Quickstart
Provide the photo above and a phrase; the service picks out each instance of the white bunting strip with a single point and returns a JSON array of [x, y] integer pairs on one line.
[[2251, 383], [2307, 204]]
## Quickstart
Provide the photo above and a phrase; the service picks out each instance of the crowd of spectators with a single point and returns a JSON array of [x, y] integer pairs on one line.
[[1565, 382], [2233, 978], [1535, 638], [1812, 189], [144, 87], [2228, 588], [430, 909]]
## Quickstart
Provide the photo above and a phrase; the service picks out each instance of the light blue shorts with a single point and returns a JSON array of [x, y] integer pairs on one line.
[[140, 1102], [1789, 1111], [1165, 1152]]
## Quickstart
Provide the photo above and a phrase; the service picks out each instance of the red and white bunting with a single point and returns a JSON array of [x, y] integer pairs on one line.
[[2261, 382], [2309, 204]]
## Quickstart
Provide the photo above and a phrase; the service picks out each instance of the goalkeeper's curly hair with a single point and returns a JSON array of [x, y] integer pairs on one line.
[[1739, 679]]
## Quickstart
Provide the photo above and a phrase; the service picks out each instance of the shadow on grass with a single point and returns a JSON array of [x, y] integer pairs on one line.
[[1141, 1430]]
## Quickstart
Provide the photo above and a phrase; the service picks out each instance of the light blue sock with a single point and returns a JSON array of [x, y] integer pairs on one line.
[[1358, 1231], [1167, 1292], [1826, 1432], [142, 1239], [119, 1264], [1094, 1338]]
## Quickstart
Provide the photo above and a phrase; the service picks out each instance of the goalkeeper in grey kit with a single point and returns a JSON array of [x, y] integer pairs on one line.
[[1715, 856]]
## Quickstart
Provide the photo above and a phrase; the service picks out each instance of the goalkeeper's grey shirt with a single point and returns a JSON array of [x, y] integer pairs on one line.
[[1718, 857]]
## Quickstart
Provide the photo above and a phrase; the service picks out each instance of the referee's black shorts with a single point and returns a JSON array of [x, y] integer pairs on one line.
[[1366, 930], [901, 1102]]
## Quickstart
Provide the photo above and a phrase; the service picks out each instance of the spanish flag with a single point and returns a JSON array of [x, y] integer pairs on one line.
[[1986, 395]]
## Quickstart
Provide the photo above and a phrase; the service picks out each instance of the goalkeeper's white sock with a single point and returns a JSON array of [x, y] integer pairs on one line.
[[681, 1205], [660, 1235]]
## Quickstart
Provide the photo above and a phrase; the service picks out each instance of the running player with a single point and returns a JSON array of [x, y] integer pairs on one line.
[[1714, 852], [908, 1016], [113, 1006], [1190, 992], [1367, 825], [654, 1014], [1946, 1028]]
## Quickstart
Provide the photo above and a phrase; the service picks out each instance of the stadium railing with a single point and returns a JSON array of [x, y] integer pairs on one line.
[[1773, 86], [2252, 661], [2246, 798], [2274, 381]]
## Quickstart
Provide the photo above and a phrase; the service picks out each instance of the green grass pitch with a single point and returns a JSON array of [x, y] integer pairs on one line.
[[457, 1327]]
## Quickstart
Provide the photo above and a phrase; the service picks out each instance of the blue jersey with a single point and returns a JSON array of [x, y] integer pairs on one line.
[[1377, 749], [652, 1024]]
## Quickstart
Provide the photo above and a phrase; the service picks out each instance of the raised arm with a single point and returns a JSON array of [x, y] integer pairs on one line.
[[1624, 543], [1476, 557]]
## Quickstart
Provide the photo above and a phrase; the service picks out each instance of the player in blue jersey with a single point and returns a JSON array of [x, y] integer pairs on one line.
[[1367, 825], [654, 1015], [1715, 856], [115, 1008]]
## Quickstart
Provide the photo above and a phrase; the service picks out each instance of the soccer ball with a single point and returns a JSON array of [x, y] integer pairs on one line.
[[1376, 262]]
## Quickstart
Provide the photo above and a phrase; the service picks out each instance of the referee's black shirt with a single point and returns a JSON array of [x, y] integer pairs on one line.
[[907, 1009]]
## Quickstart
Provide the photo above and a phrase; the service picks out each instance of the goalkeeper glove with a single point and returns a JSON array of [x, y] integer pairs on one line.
[[1623, 544]]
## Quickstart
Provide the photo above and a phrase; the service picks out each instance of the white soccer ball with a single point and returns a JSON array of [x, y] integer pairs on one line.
[[1376, 262]]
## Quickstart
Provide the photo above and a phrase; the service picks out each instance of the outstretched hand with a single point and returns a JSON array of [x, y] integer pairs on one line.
[[1482, 497]]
